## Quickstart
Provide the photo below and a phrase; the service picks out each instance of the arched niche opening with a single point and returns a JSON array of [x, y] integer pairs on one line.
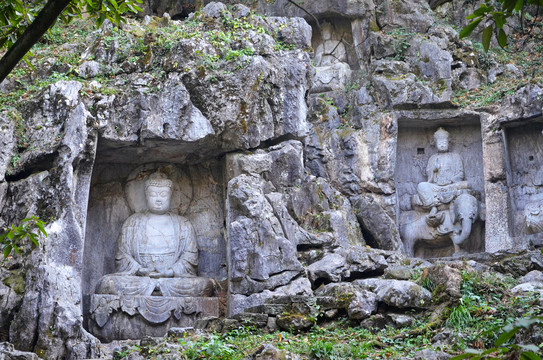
[[117, 191], [416, 148], [524, 156]]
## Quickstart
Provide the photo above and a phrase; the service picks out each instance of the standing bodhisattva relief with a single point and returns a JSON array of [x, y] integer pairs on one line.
[[451, 210], [157, 252]]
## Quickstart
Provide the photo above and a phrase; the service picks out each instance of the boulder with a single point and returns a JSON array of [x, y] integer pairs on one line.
[[295, 322], [8, 352], [446, 280], [397, 293], [362, 305]]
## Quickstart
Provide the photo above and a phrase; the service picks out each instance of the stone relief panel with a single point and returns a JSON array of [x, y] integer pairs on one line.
[[334, 56], [154, 232], [439, 184], [524, 145]]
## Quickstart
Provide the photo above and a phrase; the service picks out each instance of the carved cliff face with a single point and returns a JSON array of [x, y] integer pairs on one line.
[[158, 199]]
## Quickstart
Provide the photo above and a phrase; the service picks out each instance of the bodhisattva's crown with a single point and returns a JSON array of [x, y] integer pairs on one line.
[[441, 134], [158, 179]]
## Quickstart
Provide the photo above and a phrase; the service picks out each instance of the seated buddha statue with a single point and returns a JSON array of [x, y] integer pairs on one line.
[[445, 174], [157, 252]]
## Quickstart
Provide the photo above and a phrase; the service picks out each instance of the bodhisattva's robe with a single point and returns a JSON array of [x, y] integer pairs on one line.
[[445, 173]]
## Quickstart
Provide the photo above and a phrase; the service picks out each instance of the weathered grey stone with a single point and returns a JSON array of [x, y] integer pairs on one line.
[[435, 62], [332, 268], [89, 69], [363, 261], [293, 30], [347, 8], [180, 331], [468, 78], [8, 352], [533, 276], [214, 9], [209, 323], [445, 337], [332, 77], [400, 320], [435, 3], [298, 287], [406, 91], [399, 273], [270, 352], [250, 319], [7, 145], [406, 14], [240, 11], [272, 324], [397, 293], [362, 305], [445, 278], [428, 354], [375, 219], [294, 322], [252, 222], [531, 287], [9, 301]]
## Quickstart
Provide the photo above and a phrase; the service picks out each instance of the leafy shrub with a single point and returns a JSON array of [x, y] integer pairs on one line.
[[12, 238], [503, 345]]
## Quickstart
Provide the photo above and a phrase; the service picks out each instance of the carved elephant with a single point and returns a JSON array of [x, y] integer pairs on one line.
[[533, 217], [454, 225]]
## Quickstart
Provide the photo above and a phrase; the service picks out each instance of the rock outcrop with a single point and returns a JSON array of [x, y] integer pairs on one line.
[[300, 139]]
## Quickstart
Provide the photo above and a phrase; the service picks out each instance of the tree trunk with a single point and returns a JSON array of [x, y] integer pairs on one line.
[[45, 19]]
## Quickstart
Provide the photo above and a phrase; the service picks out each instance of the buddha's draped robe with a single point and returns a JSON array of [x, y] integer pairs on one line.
[[176, 250]]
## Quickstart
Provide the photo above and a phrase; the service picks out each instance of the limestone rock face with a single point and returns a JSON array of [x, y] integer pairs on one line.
[[189, 115], [302, 144], [280, 219]]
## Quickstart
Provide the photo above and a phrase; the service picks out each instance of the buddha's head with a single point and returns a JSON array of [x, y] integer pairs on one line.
[[158, 193], [441, 136]]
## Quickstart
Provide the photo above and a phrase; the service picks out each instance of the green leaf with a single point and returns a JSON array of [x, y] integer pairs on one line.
[[529, 355], [7, 251], [506, 336], [519, 5], [39, 224], [3, 236], [469, 28], [11, 234], [468, 354], [499, 19], [509, 5], [487, 35], [16, 248], [502, 38]]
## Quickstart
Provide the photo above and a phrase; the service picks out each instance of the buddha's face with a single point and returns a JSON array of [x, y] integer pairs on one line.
[[442, 144], [158, 199]]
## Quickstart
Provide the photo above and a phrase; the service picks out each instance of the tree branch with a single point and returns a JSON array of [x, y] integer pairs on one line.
[[307, 12], [45, 19]]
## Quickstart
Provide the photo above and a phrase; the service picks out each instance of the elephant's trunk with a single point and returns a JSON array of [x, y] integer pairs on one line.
[[458, 239]]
